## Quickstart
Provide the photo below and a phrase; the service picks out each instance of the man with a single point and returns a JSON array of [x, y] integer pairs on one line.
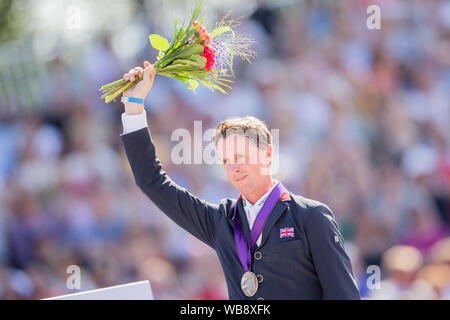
[[272, 244]]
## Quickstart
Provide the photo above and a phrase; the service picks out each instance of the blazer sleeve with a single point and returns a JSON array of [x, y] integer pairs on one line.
[[196, 216], [331, 262]]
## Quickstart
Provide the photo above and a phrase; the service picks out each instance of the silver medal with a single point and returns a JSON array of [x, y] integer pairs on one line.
[[249, 283]]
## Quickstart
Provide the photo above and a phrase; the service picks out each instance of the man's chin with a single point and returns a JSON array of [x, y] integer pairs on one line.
[[241, 186]]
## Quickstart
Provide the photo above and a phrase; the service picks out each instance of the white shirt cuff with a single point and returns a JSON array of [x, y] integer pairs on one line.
[[134, 122]]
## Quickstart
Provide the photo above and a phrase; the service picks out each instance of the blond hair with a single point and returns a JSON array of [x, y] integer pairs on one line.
[[249, 126]]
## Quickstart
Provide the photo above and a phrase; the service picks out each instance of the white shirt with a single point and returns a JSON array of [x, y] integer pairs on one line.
[[252, 210], [136, 122]]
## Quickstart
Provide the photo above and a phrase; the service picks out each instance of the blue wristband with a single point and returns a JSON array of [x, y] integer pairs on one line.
[[131, 99]]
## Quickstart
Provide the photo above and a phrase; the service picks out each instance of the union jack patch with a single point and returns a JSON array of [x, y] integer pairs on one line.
[[286, 232]]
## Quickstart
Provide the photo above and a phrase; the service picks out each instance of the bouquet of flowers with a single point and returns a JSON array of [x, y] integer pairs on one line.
[[194, 56]]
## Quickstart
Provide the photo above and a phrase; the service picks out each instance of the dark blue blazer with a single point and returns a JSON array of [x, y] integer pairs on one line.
[[311, 265]]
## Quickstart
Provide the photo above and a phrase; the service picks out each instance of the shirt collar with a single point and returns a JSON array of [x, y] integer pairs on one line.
[[259, 203]]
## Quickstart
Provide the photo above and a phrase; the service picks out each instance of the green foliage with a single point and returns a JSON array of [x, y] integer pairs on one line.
[[158, 42]]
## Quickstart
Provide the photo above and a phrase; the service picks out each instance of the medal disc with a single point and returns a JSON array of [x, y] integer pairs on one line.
[[249, 283]]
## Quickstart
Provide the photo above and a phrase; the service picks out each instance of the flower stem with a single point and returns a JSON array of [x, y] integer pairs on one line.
[[112, 84], [118, 92]]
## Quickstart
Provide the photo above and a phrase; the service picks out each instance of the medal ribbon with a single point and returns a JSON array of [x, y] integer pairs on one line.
[[241, 244]]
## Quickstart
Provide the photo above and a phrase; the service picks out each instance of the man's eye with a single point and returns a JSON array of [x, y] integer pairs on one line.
[[237, 159]]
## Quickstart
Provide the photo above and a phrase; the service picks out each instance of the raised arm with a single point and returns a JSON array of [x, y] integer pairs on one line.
[[196, 216]]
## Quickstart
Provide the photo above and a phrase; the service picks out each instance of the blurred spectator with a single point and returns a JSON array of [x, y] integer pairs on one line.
[[400, 264]]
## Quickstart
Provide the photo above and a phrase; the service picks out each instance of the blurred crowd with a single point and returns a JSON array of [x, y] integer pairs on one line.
[[363, 118]]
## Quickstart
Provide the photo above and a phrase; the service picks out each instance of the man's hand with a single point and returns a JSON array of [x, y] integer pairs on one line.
[[141, 89]]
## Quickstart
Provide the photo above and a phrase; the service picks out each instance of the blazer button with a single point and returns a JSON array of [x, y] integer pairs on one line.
[[258, 255], [260, 278]]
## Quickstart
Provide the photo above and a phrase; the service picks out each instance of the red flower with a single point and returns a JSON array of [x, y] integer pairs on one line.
[[206, 37], [209, 54], [201, 31]]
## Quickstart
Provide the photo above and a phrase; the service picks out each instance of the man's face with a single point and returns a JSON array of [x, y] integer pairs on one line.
[[245, 164]]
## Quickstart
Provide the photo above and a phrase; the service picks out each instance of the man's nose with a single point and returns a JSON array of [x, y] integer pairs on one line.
[[234, 168]]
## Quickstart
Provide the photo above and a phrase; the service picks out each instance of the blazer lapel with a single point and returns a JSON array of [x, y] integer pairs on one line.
[[243, 220], [280, 207]]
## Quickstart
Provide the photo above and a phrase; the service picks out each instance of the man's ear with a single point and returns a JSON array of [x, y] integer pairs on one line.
[[269, 152]]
